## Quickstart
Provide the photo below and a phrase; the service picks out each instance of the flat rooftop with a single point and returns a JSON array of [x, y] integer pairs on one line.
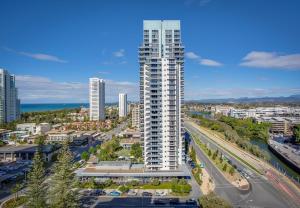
[[136, 170], [25, 148]]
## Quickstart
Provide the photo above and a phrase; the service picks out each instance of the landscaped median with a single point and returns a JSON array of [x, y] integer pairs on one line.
[[223, 166], [200, 174]]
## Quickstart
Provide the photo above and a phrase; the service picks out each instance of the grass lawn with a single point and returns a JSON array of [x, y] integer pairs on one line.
[[164, 185], [124, 153]]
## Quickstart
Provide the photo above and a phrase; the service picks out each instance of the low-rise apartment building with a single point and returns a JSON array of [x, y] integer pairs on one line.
[[60, 136], [33, 128]]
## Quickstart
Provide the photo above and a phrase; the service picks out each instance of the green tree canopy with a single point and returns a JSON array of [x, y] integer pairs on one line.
[[62, 193], [85, 156], [37, 192]]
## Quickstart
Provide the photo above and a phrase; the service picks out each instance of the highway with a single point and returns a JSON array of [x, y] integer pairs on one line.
[[262, 193]]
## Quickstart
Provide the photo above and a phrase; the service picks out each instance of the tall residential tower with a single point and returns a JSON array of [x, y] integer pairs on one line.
[[161, 58], [97, 99], [122, 105], [9, 102]]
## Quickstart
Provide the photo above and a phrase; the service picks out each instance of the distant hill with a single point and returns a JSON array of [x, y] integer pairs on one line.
[[295, 99]]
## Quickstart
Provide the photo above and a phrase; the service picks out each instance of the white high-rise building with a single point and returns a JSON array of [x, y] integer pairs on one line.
[[161, 58], [97, 99], [9, 102], [123, 105], [135, 116]]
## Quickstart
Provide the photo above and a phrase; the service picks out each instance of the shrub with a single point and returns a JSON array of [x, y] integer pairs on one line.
[[134, 183], [211, 200], [231, 170], [155, 182], [224, 167], [123, 189], [108, 182]]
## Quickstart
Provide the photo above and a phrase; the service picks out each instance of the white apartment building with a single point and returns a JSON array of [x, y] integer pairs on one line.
[[9, 102], [161, 58], [135, 116], [60, 136], [33, 128], [97, 99], [265, 112], [122, 104]]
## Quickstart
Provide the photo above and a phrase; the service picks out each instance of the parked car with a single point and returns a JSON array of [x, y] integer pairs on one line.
[[131, 193], [191, 201], [174, 201], [147, 194], [98, 192], [159, 202], [160, 193], [114, 193]]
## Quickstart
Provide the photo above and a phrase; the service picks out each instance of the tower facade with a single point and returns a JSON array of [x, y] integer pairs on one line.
[[122, 105], [9, 102], [161, 58], [97, 99]]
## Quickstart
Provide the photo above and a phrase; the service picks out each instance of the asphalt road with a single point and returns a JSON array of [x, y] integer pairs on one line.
[[262, 193]]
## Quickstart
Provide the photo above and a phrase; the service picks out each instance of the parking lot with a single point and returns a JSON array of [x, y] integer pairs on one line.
[[11, 173], [13, 170], [133, 198]]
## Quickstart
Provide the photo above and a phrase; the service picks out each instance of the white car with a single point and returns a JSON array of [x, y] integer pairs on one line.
[[131, 193], [160, 193]]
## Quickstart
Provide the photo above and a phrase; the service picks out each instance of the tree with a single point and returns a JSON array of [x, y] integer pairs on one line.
[[16, 189], [193, 154], [92, 150], [85, 156], [62, 193], [224, 167], [155, 182], [36, 194], [296, 131], [215, 155], [211, 200], [123, 189], [231, 170], [209, 152], [136, 150]]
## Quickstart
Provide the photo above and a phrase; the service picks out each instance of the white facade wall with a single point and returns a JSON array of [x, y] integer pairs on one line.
[[161, 95], [123, 105], [135, 116], [97, 99], [9, 103]]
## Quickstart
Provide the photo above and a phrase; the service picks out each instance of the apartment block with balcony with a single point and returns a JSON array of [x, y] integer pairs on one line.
[[161, 58], [97, 99]]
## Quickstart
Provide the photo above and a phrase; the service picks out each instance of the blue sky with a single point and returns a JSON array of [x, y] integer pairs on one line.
[[233, 48]]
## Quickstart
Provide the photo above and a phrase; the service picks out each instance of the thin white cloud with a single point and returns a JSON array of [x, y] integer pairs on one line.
[[119, 53], [37, 56], [201, 60], [37, 89], [191, 55], [209, 62], [261, 59]]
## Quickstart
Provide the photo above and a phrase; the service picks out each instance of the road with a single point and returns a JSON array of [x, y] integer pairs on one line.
[[262, 193]]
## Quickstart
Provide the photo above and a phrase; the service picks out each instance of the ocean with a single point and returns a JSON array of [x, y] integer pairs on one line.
[[50, 107]]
